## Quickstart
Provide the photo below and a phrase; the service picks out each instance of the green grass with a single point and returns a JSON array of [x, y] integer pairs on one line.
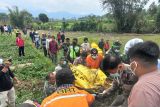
[[32, 77]]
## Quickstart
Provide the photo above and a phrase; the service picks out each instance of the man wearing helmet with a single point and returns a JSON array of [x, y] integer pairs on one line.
[[94, 59]]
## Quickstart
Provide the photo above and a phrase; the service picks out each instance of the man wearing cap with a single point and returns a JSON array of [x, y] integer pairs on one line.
[[7, 92], [94, 59]]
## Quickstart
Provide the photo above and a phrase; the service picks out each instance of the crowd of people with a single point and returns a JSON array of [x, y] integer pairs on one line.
[[135, 74], [6, 29]]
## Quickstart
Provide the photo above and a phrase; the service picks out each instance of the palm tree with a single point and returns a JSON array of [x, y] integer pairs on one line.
[[19, 18]]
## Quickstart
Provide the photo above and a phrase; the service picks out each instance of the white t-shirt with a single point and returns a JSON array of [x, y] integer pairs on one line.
[[37, 38], [47, 43], [5, 28], [85, 46]]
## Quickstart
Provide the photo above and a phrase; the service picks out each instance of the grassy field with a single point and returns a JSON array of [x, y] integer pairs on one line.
[[32, 77]]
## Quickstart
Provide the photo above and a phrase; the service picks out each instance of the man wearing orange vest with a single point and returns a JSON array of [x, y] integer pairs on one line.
[[94, 59], [67, 95]]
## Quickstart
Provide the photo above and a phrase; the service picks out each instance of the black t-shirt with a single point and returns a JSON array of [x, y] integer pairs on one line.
[[5, 80]]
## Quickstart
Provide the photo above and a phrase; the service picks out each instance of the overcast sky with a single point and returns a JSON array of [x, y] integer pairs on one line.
[[82, 7]]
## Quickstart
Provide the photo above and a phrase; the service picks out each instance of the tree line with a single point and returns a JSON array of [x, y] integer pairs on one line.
[[122, 16]]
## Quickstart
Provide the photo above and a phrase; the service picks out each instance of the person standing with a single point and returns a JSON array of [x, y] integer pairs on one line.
[[24, 31], [106, 46], [48, 40], [20, 44], [2, 29], [53, 49], [31, 34], [143, 62], [74, 50], [62, 37], [59, 37], [65, 46], [101, 44], [10, 29], [43, 43], [85, 46], [6, 29], [37, 40], [7, 91], [115, 49]]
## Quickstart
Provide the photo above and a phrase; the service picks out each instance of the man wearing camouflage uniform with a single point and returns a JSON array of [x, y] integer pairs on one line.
[[115, 49], [123, 80], [49, 85]]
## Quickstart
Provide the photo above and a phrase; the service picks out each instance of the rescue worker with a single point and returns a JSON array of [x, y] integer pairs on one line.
[[94, 59], [115, 49], [123, 80], [74, 50], [67, 95]]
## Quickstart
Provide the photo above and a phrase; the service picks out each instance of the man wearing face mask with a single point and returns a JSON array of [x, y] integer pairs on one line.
[[62, 64], [93, 60], [123, 79], [115, 49], [85, 46], [143, 62]]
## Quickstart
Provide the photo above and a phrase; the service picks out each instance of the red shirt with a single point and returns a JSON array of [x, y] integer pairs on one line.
[[106, 46], [53, 47], [19, 42], [58, 36]]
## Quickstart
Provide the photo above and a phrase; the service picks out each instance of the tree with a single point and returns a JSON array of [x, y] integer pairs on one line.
[[19, 18], [158, 20], [28, 19], [152, 9], [3, 17], [125, 12], [43, 17]]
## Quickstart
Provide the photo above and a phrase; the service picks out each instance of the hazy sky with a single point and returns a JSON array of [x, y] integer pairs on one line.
[[82, 7]]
